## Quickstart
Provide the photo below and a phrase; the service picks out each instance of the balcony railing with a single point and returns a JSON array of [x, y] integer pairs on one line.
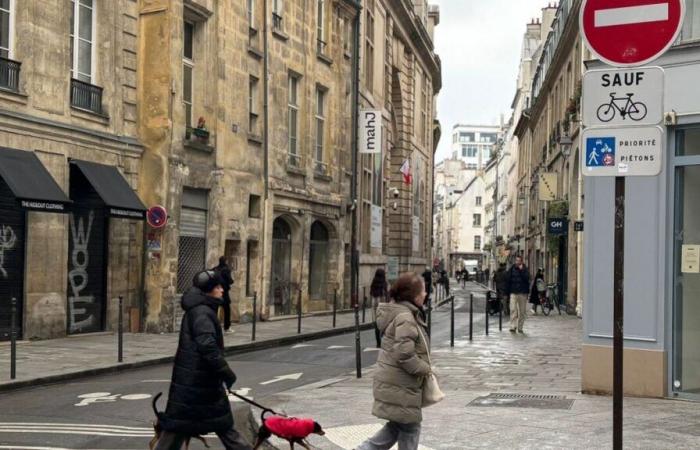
[[320, 167], [320, 47], [294, 160], [9, 74], [86, 96], [276, 22]]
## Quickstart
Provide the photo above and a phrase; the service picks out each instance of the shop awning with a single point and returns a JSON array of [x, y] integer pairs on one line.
[[113, 189], [30, 182]]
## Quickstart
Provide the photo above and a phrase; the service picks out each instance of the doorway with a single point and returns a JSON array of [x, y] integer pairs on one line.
[[686, 270], [281, 273]]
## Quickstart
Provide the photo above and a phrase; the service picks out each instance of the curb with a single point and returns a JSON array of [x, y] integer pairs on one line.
[[228, 351]]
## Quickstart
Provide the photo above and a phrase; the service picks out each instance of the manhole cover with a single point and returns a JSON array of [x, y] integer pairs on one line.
[[523, 401]]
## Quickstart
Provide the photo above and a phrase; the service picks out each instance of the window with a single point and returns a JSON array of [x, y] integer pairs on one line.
[[369, 47], [464, 151], [477, 220], [478, 201], [253, 106], [321, 26], [318, 261], [471, 151], [377, 179], [320, 122], [193, 232], [6, 28], [254, 206], [293, 113], [251, 12], [81, 39], [477, 243], [277, 14], [424, 109], [250, 267], [187, 71]]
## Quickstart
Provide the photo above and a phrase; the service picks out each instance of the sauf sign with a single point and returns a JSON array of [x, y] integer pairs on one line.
[[370, 131]]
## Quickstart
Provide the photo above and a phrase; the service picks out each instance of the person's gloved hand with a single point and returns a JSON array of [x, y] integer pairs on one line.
[[229, 378]]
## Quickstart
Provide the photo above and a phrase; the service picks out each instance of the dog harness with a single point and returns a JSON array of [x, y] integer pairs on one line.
[[290, 427]]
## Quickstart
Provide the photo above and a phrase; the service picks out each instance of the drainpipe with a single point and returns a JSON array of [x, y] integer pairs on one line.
[[355, 256], [266, 153]]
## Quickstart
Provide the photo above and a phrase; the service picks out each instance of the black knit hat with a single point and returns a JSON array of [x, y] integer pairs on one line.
[[207, 280]]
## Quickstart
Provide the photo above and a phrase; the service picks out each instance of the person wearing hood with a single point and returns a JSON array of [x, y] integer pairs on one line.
[[198, 403], [402, 366]]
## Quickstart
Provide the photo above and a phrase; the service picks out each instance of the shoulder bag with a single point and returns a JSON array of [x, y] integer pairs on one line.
[[432, 394]]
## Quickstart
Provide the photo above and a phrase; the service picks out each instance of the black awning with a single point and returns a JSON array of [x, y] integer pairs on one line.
[[113, 189], [30, 182]]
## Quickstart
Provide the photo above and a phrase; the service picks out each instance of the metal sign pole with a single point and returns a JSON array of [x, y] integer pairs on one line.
[[618, 311]]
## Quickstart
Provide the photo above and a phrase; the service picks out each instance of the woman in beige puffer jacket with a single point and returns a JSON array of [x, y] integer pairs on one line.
[[402, 367]]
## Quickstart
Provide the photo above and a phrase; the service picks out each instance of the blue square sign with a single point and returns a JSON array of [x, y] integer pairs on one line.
[[600, 152]]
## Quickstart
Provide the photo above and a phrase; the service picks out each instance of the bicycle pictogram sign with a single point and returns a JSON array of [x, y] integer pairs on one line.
[[625, 106]]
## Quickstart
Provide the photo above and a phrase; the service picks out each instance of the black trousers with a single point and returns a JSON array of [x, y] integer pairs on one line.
[[227, 311], [231, 439]]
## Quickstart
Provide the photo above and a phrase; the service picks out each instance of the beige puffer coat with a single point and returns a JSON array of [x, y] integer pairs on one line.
[[402, 364]]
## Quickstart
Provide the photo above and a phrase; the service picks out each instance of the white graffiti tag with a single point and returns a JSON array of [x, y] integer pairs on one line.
[[78, 277], [7, 243]]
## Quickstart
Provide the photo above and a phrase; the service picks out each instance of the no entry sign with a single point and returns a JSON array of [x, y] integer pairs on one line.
[[626, 33]]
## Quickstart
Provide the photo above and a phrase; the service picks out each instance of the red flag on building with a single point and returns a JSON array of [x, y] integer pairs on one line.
[[406, 171]]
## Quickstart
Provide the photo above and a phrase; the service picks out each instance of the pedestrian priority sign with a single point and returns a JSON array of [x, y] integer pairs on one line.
[[600, 152], [622, 152]]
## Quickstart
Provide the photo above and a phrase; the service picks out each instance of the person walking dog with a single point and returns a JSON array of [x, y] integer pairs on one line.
[[518, 287], [198, 403], [404, 382]]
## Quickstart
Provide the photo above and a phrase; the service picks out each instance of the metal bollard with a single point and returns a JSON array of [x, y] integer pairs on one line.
[[13, 340], [364, 304], [358, 343], [452, 321], [299, 313], [255, 314], [335, 306], [430, 319], [500, 314], [486, 310], [120, 331], [471, 315]]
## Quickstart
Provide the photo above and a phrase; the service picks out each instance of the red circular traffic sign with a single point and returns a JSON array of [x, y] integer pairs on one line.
[[630, 32], [157, 216]]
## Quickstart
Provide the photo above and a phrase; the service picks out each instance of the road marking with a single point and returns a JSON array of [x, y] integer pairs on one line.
[[136, 396], [106, 397], [352, 436], [631, 15], [70, 426], [15, 447], [302, 346], [336, 347], [155, 381], [242, 391], [372, 349], [291, 376]]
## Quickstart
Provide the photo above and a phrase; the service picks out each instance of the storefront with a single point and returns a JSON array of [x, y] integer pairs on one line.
[[662, 256], [25, 185]]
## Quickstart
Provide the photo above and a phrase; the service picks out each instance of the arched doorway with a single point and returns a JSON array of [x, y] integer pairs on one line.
[[318, 261], [280, 279]]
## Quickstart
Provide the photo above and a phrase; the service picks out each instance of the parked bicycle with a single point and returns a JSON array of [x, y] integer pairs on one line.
[[550, 299], [625, 106]]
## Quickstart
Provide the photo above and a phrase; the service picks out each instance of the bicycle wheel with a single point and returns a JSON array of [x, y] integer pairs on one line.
[[606, 112], [638, 111], [546, 307]]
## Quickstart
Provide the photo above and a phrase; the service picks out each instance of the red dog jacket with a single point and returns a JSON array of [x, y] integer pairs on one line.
[[290, 428]]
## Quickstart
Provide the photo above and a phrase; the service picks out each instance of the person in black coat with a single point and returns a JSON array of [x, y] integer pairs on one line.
[[198, 403], [224, 272], [378, 290], [428, 279], [518, 287]]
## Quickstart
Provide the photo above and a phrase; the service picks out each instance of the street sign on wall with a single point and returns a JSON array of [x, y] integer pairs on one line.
[[370, 131], [627, 33], [557, 226], [376, 227], [632, 151], [392, 268], [623, 97]]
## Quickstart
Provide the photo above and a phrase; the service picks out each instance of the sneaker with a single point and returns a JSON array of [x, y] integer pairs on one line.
[[512, 330], [521, 332], [533, 312]]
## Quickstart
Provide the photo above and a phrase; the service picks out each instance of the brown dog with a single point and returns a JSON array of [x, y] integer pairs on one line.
[[158, 429]]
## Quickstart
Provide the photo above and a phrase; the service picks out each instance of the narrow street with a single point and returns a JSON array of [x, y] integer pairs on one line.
[[114, 412]]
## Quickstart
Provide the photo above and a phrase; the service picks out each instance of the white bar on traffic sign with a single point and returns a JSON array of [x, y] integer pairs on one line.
[[631, 15]]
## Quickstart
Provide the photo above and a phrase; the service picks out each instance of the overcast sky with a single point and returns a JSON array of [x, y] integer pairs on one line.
[[479, 42]]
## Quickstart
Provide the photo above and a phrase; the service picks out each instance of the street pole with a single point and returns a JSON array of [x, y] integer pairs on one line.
[[13, 340], [120, 331], [255, 315], [618, 311]]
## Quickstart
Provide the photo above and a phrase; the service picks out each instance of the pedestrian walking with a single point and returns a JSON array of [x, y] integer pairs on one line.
[[445, 281], [198, 403], [378, 290], [538, 290], [402, 367], [518, 287], [500, 282], [224, 272], [428, 280]]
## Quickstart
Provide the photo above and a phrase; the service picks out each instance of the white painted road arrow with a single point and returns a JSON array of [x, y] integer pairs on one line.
[[291, 376]]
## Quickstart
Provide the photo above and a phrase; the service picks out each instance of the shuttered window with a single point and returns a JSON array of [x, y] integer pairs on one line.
[[193, 242]]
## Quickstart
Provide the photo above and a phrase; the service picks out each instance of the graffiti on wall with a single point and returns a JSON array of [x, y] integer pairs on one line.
[[8, 239], [78, 276]]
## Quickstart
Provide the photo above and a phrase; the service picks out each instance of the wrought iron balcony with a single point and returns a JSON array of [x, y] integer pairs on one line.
[[86, 96], [9, 74], [276, 22], [294, 160], [320, 167]]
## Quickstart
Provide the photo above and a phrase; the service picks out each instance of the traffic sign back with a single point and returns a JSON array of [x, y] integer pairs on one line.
[[631, 32]]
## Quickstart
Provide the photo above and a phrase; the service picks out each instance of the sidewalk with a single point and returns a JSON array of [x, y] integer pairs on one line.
[[40, 362], [544, 363]]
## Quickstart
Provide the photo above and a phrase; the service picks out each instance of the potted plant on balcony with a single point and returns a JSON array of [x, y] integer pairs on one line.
[[200, 132]]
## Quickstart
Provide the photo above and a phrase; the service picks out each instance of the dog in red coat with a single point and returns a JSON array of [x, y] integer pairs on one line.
[[292, 429]]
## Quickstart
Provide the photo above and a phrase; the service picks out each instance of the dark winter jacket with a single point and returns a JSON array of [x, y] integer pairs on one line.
[[378, 288], [500, 279], [198, 403], [428, 279], [518, 280]]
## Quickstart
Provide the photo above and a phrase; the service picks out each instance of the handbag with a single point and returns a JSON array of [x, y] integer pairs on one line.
[[432, 394]]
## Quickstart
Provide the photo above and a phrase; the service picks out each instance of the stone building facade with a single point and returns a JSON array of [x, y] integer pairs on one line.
[[68, 130]]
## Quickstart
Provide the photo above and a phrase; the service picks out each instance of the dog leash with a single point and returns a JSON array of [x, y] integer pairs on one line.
[[257, 405]]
